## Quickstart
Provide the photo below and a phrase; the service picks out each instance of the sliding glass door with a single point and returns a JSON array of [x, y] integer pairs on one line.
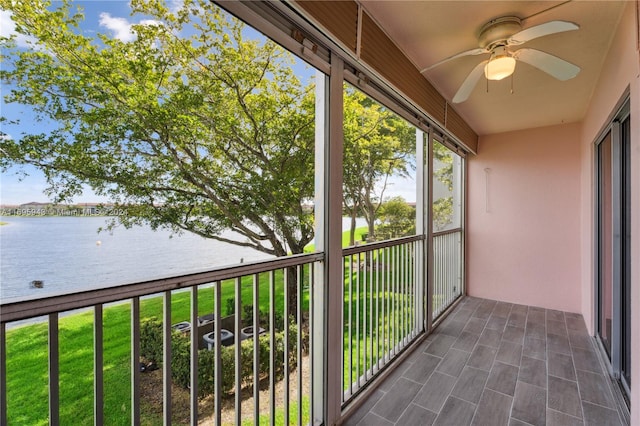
[[613, 283]]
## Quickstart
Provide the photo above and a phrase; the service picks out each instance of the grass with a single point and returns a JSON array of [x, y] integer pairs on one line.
[[357, 237], [265, 419], [27, 362], [27, 392], [310, 248]]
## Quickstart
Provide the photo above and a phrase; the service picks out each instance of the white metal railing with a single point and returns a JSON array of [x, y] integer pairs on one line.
[[265, 285], [383, 306], [447, 270]]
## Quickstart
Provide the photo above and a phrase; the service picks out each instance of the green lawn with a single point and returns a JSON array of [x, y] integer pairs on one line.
[[345, 239], [265, 419]]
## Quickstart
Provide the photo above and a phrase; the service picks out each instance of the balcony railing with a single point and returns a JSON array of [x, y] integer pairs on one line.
[[240, 366], [383, 305], [447, 270], [194, 327]]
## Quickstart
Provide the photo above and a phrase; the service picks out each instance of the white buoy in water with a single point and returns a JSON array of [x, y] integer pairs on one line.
[[98, 243]]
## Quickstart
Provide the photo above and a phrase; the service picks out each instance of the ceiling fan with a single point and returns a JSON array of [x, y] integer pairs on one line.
[[497, 38]]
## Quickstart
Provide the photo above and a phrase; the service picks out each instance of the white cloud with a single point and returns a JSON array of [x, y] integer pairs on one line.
[[404, 187], [121, 28], [8, 28], [150, 22], [175, 5]]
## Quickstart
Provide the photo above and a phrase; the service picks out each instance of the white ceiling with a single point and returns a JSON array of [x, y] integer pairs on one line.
[[429, 31]]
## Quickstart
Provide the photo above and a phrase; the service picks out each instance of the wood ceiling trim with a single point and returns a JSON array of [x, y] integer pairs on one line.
[[456, 125], [339, 17], [383, 55]]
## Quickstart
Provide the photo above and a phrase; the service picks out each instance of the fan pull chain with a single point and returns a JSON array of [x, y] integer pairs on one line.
[[512, 84]]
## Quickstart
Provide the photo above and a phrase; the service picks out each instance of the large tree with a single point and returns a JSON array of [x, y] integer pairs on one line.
[[189, 125], [377, 145]]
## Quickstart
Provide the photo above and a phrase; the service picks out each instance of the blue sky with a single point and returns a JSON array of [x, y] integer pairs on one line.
[[24, 184], [109, 17], [112, 18]]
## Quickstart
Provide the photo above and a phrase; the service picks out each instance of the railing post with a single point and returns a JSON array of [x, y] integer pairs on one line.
[[135, 361], [237, 348], [217, 302], [166, 358], [54, 371], [3, 374], [194, 356], [98, 366], [256, 348], [285, 361], [272, 348]]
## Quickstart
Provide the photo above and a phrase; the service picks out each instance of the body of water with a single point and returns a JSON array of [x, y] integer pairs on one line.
[[68, 254]]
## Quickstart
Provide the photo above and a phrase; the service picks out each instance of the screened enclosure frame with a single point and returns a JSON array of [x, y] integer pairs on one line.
[[290, 25]]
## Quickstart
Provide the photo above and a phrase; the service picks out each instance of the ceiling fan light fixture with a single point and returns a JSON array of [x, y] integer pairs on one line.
[[499, 67], [497, 37]]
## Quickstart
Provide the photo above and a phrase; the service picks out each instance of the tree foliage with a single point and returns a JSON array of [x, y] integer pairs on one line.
[[191, 125], [397, 219], [442, 207], [377, 145]]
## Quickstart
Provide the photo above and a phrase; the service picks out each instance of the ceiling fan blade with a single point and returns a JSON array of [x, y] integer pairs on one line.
[[471, 52], [541, 30], [552, 65], [469, 83]]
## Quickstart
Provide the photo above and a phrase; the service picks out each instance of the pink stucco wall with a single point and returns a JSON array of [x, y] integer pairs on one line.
[[523, 231], [621, 71]]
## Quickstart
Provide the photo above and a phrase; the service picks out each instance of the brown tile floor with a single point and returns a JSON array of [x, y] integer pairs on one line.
[[494, 363]]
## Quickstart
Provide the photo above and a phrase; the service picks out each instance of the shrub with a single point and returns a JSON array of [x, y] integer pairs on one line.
[[247, 312], [263, 318], [151, 349], [230, 307], [206, 371], [151, 340], [180, 359]]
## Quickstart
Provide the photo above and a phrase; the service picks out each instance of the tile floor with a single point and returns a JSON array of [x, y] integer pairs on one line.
[[494, 363]]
